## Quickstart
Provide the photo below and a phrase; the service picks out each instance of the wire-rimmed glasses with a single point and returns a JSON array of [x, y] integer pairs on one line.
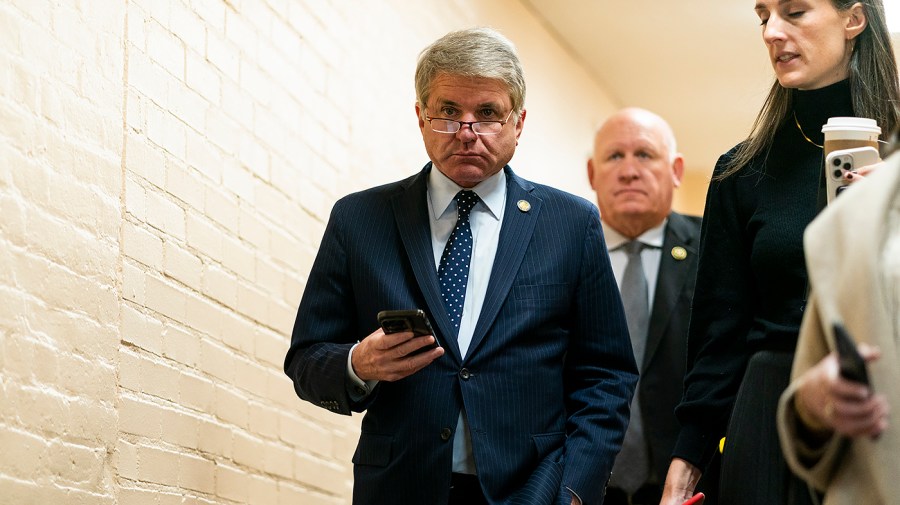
[[442, 125]]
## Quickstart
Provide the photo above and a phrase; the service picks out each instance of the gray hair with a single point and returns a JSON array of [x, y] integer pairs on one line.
[[475, 52]]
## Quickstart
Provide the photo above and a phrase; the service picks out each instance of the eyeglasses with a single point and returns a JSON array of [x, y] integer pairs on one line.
[[442, 125]]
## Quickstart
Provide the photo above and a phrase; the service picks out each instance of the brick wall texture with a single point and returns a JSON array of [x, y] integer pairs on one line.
[[166, 171]]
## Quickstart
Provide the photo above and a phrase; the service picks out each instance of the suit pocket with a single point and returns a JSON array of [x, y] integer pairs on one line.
[[540, 298], [545, 443], [540, 292], [373, 450]]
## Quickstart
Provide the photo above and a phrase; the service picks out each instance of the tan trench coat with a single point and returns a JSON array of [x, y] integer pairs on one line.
[[843, 252]]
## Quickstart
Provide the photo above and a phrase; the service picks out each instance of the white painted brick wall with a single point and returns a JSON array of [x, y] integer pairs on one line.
[[166, 171]]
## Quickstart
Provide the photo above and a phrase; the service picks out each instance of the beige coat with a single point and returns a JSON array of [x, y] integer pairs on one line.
[[843, 253]]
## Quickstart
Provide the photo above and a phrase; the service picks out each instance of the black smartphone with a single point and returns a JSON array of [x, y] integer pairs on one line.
[[414, 320], [852, 364]]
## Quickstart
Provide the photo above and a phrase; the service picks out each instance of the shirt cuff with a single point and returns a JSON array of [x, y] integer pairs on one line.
[[575, 495], [356, 387]]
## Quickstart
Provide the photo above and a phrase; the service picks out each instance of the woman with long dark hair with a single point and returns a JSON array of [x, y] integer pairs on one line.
[[831, 58]]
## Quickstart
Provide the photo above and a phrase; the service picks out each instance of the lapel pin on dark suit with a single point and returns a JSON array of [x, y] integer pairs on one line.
[[523, 205], [679, 253]]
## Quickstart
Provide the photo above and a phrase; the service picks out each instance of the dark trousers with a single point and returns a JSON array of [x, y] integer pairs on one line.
[[648, 494], [465, 490]]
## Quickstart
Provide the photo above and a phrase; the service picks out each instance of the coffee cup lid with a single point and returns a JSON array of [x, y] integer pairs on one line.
[[861, 124]]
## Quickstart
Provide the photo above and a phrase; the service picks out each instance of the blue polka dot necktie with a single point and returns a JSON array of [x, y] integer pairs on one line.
[[453, 271]]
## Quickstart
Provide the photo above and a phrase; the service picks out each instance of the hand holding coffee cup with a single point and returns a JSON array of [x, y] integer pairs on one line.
[[850, 144]]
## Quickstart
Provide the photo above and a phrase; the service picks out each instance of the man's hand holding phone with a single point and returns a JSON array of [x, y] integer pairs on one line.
[[403, 345]]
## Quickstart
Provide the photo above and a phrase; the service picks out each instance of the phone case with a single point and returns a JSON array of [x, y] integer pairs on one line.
[[693, 500], [842, 161], [415, 320], [852, 364]]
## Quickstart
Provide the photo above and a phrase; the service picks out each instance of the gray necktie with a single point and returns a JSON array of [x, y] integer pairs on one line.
[[636, 299], [632, 466]]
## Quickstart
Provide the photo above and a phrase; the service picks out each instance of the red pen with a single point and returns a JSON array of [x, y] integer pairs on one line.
[[695, 500]]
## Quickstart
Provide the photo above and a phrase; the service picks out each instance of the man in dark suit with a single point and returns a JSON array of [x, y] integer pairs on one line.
[[634, 170], [527, 399]]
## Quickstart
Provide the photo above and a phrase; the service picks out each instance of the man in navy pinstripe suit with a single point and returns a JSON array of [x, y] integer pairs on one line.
[[528, 398]]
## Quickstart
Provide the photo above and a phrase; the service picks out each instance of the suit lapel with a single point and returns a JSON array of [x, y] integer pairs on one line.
[[672, 276], [410, 207], [515, 235]]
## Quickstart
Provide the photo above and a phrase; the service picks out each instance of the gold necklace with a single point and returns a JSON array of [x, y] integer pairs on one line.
[[797, 122]]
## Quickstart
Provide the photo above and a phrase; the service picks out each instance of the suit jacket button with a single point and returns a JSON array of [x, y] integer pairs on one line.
[[446, 433], [465, 374]]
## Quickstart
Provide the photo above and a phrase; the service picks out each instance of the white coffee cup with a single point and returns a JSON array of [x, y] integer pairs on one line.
[[850, 132]]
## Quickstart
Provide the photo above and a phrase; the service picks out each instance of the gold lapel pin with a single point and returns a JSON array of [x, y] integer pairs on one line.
[[523, 205], [679, 253]]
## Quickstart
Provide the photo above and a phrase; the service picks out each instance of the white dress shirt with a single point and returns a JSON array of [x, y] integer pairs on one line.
[[485, 220], [650, 256]]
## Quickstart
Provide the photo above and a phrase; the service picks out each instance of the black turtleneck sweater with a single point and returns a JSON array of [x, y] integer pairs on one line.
[[751, 279]]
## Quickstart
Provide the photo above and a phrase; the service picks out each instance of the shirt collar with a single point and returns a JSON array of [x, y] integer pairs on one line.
[[652, 237], [441, 190]]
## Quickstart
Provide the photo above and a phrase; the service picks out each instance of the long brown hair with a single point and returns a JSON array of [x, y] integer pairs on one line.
[[873, 88]]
